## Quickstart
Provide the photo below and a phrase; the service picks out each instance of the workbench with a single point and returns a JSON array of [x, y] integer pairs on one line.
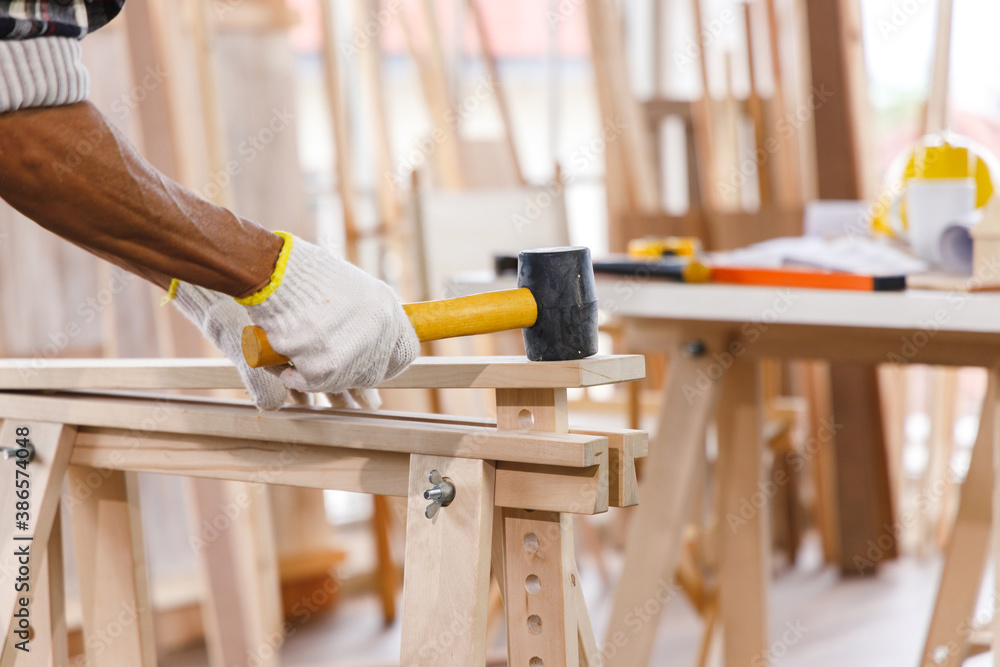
[[480, 493], [715, 336]]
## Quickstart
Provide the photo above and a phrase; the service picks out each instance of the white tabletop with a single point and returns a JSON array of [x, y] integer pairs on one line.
[[660, 299]]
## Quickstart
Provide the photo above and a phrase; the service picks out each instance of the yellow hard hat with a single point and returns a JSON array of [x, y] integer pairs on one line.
[[936, 156]]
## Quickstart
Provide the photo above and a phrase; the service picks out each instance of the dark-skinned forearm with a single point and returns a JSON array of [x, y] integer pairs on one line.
[[69, 170]]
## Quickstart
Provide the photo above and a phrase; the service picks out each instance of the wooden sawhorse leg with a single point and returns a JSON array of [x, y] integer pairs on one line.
[[53, 445], [444, 609], [111, 561], [744, 511], [535, 564], [966, 552], [239, 563], [655, 531], [50, 640]]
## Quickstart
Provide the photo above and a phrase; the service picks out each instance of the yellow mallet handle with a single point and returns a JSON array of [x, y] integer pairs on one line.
[[432, 320]]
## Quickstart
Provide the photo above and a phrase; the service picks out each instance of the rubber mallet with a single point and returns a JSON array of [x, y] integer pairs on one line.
[[555, 304]]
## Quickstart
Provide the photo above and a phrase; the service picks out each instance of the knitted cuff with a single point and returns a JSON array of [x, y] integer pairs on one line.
[[277, 275], [41, 72]]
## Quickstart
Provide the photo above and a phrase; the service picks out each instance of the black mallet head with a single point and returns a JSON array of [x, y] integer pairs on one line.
[[562, 282]]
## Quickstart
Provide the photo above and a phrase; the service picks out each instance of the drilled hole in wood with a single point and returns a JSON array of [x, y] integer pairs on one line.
[[532, 584], [536, 662], [535, 624], [525, 419], [531, 543], [572, 579]]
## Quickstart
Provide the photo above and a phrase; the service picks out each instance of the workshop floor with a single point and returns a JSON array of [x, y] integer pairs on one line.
[[817, 620]]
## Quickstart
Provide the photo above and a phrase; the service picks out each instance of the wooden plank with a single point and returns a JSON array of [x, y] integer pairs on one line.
[[624, 447], [111, 564], [789, 194], [425, 372], [610, 67], [233, 538], [966, 553], [840, 121], [540, 599], [745, 544], [489, 57], [53, 444], [703, 123], [842, 162], [197, 23], [142, 418], [447, 573], [655, 531], [430, 67], [590, 653], [936, 119], [539, 567], [50, 645], [286, 464], [341, 129], [386, 572], [574, 490], [862, 479], [556, 489], [991, 411], [370, 61], [756, 112]]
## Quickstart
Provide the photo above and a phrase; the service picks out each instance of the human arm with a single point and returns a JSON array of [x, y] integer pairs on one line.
[[71, 171]]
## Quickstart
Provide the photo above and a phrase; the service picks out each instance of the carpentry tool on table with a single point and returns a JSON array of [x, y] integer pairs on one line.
[[681, 269], [678, 269], [555, 304], [788, 277], [655, 247]]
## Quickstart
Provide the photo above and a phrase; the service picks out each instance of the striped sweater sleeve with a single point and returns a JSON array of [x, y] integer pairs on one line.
[[41, 72]]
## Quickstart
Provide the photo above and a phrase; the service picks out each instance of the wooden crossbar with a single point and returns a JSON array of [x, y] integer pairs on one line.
[[573, 490], [426, 372], [144, 416]]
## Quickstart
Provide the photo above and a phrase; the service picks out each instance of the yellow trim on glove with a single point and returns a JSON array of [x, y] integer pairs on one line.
[[171, 292], [277, 275]]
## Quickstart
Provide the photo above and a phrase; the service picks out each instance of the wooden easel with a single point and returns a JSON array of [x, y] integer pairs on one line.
[[528, 459]]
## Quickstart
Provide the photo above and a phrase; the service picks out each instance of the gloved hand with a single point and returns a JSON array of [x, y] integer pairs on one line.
[[341, 328], [221, 320], [356, 399]]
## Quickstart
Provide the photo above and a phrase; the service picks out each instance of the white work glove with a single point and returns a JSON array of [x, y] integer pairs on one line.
[[341, 328], [221, 320], [356, 399]]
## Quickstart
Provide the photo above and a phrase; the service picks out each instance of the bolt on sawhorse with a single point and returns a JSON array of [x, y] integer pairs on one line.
[[503, 493]]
